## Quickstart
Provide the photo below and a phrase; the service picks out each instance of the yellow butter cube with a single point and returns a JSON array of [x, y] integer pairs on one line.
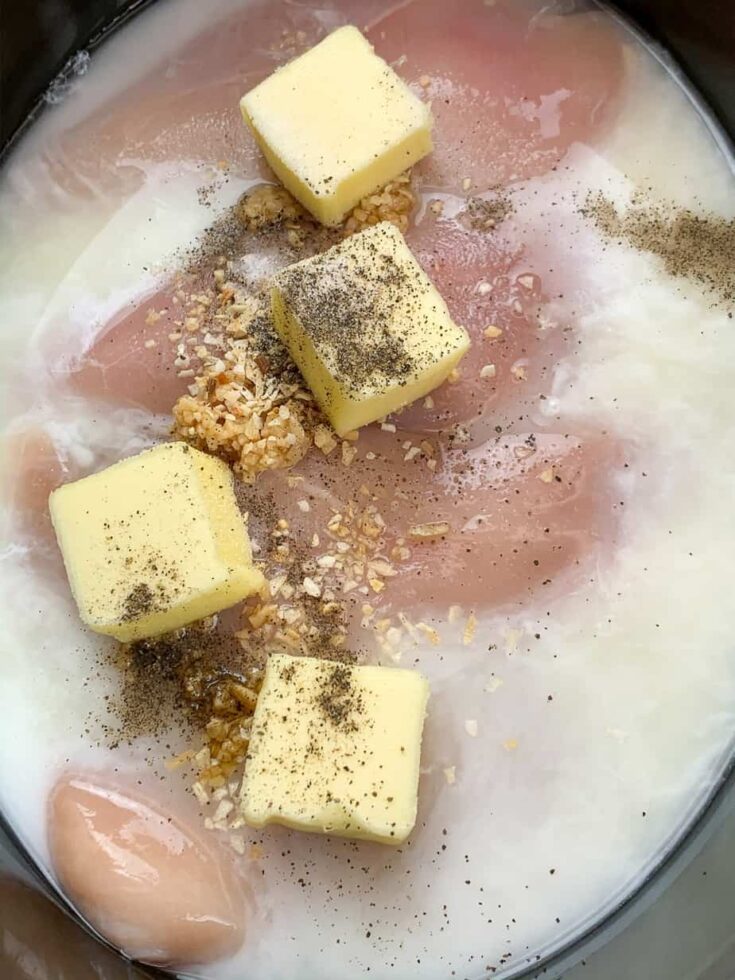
[[366, 327], [335, 749], [154, 542], [337, 123]]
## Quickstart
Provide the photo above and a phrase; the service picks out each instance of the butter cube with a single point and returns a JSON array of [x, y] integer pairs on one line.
[[335, 749], [366, 327], [154, 542], [336, 124]]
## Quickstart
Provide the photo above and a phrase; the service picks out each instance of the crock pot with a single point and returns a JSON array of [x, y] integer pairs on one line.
[[39, 937]]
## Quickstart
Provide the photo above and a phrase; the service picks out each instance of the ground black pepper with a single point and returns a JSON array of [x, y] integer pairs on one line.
[[349, 309], [484, 214], [339, 700], [138, 603], [181, 678], [699, 247]]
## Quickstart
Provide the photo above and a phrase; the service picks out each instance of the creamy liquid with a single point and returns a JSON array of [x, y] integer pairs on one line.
[[604, 713]]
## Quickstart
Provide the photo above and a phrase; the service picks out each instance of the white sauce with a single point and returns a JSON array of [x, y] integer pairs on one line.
[[639, 661]]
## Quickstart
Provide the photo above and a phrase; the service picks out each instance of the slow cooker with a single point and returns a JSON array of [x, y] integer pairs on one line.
[[680, 924]]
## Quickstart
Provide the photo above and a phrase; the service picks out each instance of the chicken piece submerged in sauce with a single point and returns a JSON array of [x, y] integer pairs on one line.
[[516, 502], [484, 499], [151, 884]]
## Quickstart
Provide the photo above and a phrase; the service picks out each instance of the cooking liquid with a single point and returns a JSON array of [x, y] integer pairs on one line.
[[579, 726]]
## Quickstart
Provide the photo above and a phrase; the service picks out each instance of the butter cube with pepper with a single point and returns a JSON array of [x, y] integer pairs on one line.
[[154, 542], [337, 123], [335, 749], [366, 327]]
